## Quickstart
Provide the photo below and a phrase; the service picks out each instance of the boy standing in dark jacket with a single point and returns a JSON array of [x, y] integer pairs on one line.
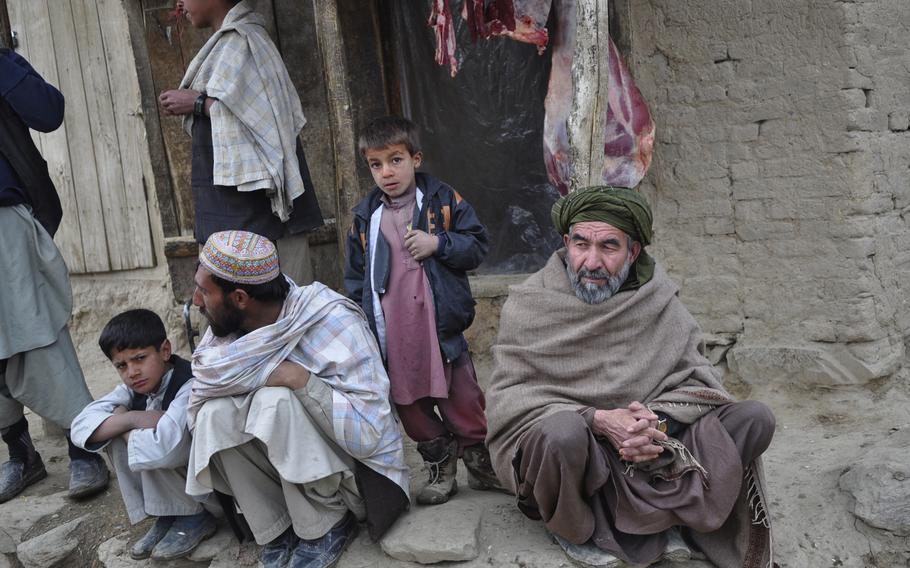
[[412, 242]]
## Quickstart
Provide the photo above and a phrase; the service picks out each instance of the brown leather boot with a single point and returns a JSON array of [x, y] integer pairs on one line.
[[441, 458]]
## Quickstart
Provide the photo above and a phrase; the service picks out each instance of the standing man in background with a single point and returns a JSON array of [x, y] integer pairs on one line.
[[244, 115], [38, 364]]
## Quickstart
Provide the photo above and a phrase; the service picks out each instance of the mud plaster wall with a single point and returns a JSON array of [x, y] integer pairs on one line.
[[780, 176]]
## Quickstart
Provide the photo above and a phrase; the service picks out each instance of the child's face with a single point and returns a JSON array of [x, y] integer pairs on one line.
[[393, 168], [142, 369]]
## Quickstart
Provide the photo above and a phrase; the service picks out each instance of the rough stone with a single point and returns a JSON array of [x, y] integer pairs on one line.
[[7, 544], [221, 545], [21, 513], [5, 562], [113, 553], [439, 533], [51, 548], [879, 483], [806, 366]]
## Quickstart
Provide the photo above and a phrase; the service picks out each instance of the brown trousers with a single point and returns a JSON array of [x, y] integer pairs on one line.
[[582, 490]]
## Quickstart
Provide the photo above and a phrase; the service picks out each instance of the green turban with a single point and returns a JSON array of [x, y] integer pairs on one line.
[[625, 209]]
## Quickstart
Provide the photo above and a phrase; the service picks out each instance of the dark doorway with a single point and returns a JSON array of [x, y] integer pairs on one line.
[[481, 131]]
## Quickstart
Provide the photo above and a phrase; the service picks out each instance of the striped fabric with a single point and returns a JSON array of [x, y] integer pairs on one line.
[[328, 335], [258, 116]]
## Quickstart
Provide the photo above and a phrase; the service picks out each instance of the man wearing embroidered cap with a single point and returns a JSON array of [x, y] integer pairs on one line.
[[622, 439], [290, 407]]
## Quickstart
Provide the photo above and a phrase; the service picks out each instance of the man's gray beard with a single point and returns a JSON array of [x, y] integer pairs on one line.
[[591, 293]]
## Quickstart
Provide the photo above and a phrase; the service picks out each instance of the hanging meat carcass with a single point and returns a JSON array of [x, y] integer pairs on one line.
[[628, 129]]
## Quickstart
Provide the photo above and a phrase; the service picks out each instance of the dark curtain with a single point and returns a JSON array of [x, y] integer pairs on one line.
[[481, 132]]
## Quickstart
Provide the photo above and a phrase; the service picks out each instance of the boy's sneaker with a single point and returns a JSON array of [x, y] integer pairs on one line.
[[88, 476], [441, 458], [480, 469], [184, 535], [325, 552], [277, 553], [16, 475], [143, 547]]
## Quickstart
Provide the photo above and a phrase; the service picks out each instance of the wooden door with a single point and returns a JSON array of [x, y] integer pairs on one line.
[[99, 158]]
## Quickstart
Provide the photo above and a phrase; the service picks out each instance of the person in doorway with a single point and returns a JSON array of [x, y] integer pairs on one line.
[[606, 419], [290, 408], [142, 426], [38, 364], [408, 252], [244, 116]]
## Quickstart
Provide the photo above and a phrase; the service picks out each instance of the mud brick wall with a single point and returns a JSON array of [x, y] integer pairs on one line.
[[781, 176]]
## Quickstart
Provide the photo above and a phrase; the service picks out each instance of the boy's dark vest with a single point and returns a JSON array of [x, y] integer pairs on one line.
[[183, 372]]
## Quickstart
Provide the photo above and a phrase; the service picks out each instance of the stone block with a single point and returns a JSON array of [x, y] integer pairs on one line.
[[744, 132], [899, 120], [221, 544], [879, 484], [21, 514], [113, 553], [804, 366], [441, 533], [51, 548], [867, 120], [7, 544]]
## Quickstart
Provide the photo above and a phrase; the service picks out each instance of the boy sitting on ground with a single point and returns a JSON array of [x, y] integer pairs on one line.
[[142, 426]]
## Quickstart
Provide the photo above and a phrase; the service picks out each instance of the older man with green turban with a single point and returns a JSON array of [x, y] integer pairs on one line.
[[606, 419]]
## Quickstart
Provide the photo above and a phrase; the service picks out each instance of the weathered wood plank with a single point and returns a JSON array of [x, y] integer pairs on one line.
[[157, 164], [590, 76], [331, 45], [5, 29], [103, 132], [167, 65], [79, 138], [127, 102], [300, 51], [33, 23]]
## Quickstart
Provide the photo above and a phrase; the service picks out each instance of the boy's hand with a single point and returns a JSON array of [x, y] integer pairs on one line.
[[120, 410], [420, 244]]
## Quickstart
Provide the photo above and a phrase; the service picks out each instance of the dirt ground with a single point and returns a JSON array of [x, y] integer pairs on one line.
[[820, 433]]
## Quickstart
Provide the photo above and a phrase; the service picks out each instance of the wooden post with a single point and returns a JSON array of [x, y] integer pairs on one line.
[[6, 32], [341, 117], [590, 75], [164, 190]]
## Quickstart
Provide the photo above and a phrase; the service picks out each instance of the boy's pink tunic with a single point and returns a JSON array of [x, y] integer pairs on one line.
[[415, 365]]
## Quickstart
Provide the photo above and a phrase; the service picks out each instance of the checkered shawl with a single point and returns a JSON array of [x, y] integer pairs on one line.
[[258, 115], [328, 335]]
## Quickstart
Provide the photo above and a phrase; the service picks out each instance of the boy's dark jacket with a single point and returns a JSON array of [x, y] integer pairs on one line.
[[463, 246]]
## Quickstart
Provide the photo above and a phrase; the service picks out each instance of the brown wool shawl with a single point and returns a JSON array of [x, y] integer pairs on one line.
[[555, 352]]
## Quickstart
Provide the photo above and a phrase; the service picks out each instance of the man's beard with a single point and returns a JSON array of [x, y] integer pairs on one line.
[[227, 321], [592, 293]]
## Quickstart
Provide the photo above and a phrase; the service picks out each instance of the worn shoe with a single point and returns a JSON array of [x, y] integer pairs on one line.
[[184, 535], [143, 547], [677, 550], [277, 553], [441, 458], [588, 554], [88, 477], [16, 475], [480, 469], [325, 552]]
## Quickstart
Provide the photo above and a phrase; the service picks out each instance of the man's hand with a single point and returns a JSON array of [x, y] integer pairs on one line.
[[178, 102], [420, 244], [290, 375], [631, 430]]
